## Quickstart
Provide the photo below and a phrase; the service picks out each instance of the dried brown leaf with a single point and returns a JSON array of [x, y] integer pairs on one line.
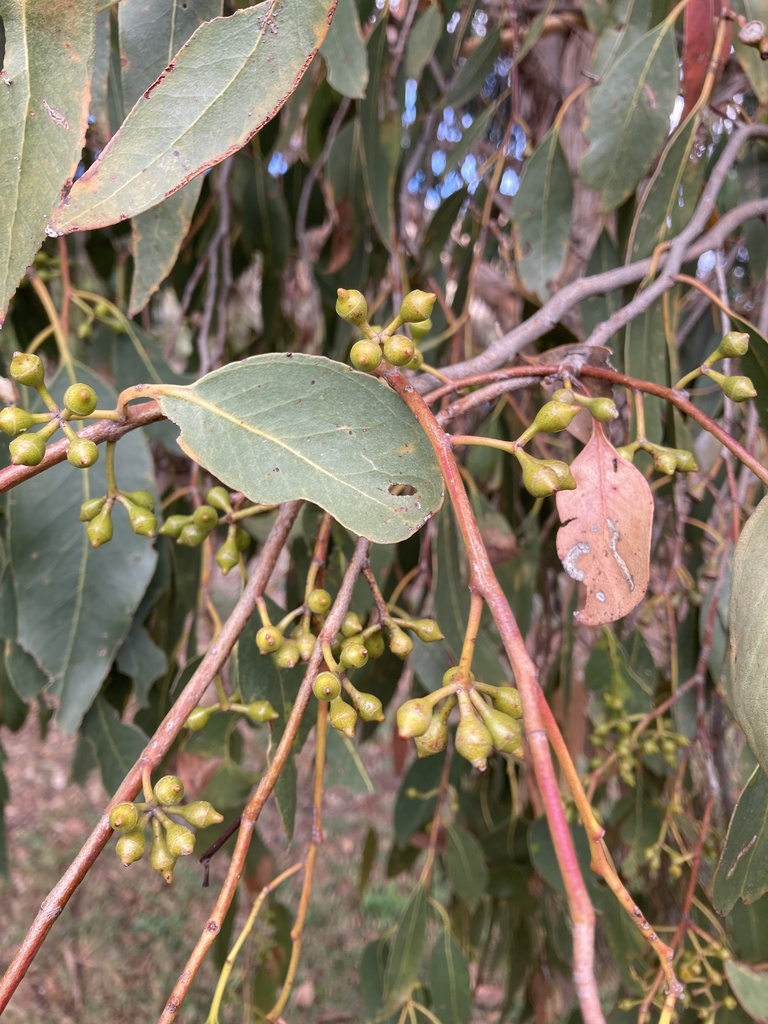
[[605, 539]]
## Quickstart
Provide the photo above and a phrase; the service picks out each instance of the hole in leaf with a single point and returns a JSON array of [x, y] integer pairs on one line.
[[401, 489]]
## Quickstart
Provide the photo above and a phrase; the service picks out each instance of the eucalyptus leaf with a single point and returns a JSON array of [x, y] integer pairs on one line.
[[344, 52], [46, 70], [406, 945], [200, 110], [380, 137], [115, 744], [449, 982], [280, 427], [742, 872], [750, 987], [466, 865]]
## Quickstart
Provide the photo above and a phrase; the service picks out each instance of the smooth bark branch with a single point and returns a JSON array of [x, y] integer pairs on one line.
[[212, 663]]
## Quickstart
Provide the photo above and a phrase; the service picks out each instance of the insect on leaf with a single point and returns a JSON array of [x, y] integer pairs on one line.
[[605, 539]]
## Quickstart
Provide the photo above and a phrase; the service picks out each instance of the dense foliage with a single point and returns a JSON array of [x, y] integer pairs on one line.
[[538, 233]]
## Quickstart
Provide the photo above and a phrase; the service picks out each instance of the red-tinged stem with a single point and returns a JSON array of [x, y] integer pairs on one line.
[[152, 754], [483, 582]]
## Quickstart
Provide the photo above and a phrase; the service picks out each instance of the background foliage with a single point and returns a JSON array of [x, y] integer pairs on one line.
[[589, 175]]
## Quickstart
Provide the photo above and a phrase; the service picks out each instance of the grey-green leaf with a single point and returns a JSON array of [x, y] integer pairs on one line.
[[542, 209], [449, 981], [750, 987], [75, 604], [200, 110], [407, 945], [279, 427], [742, 872], [466, 865], [748, 621], [380, 136], [628, 115], [45, 81], [115, 744], [344, 52]]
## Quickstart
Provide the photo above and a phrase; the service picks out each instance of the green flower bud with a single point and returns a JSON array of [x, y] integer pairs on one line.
[[564, 395], [91, 508], [242, 539], [191, 535], [179, 840], [506, 732], [227, 557], [169, 790], [416, 361], [342, 717], [160, 857], [542, 477], [142, 498], [434, 739], [664, 461], [218, 498], [413, 717], [603, 409], [399, 350], [319, 602], [143, 522], [374, 644], [288, 656], [552, 417], [200, 717], [507, 700], [365, 355], [260, 711], [420, 329], [351, 624], [173, 526], [27, 450], [473, 741], [367, 705], [199, 813], [82, 453], [417, 306], [80, 399], [738, 389], [686, 463], [733, 345], [14, 420], [99, 530], [306, 644], [400, 643], [351, 306], [124, 817], [427, 630], [269, 639], [627, 452], [327, 686], [27, 369], [130, 846], [205, 517], [353, 655]]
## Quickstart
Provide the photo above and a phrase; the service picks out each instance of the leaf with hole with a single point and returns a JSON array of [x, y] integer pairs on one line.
[[279, 427], [605, 539]]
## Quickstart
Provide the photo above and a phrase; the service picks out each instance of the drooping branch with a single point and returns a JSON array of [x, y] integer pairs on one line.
[[212, 663]]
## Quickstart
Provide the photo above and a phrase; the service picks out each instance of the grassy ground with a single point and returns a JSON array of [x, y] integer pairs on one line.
[[120, 943]]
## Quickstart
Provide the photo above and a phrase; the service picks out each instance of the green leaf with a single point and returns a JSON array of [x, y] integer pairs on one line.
[[25, 675], [750, 988], [368, 859], [422, 41], [628, 115], [406, 946], [380, 137], [46, 72], [115, 744], [75, 604], [667, 204], [200, 111], [646, 357], [344, 766], [466, 865], [449, 981], [415, 803], [142, 661], [749, 633], [279, 427], [344, 52], [471, 76], [542, 209], [13, 710], [742, 872], [599, 307]]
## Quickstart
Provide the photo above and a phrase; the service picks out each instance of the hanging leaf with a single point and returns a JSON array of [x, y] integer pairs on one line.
[[380, 137], [422, 41], [542, 209], [449, 983], [279, 427], [628, 115], [344, 52], [749, 633], [742, 872], [200, 110], [466, 865], [75, 605], [115, 744], [750, 988], [605, 539], [407, 945], [44, 95]]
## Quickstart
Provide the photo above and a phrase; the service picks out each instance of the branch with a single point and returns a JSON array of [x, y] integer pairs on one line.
[[153, 753]]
